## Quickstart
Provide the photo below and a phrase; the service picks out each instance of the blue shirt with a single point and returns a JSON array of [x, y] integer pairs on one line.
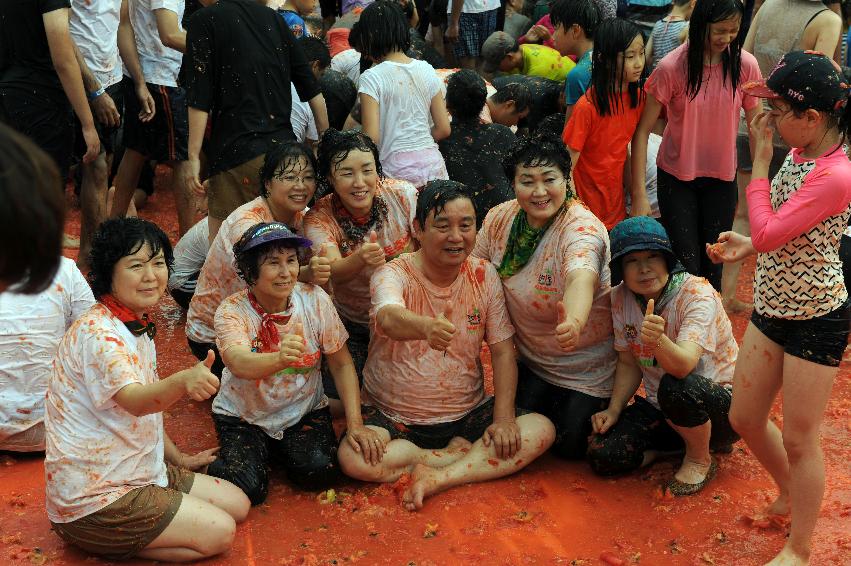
[[578, 79], [295, 23]]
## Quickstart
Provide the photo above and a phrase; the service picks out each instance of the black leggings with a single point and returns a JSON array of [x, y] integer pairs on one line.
[[687, 402], [845, 256], [569, 410], [694, 213], [358, 344], [307, 451]]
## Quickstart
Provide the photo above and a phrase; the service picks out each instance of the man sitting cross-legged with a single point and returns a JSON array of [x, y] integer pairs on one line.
[[431, 309]]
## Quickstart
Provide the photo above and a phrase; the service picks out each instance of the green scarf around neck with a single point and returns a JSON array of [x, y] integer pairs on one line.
[[522, 242]]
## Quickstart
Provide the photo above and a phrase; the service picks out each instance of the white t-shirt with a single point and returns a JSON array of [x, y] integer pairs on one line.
[[31, 327], [404, 93], [96, 452], [94, 27], [475, 6], [280, 400], [301, 118], [160, 64], [695, 315], [189, 255], [348, 63], [650, 176]]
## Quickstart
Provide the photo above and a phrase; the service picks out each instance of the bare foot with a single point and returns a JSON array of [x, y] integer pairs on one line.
[[734, 305], [425, 481], [788, 557], [779, 506], [692, 472]]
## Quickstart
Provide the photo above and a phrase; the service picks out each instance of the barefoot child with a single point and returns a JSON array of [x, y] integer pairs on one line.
[[799, 328], [431, 310], [672, 333], [599, 129]]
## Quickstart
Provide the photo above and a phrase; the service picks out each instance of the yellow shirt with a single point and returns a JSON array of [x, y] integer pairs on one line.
[[546, 62]]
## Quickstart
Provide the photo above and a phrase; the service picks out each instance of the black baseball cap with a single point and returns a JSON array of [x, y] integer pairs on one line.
[[809, 78]]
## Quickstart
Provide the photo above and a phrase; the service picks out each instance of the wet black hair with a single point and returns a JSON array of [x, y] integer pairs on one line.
[[381, 30], [32, 214], [334, 147], [465, 95], [614, 37], [514, 92], [537, 150], [281, 158], [552, 125], [436, 194], [340, 94], [584, 13], [315, 50], [708, 12], [247, 262], [120, 237]]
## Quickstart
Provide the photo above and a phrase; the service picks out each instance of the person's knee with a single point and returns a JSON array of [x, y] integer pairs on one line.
[[218, 534], [353, 465], [608, 455], [315, 468], [250, 477], [535, 427], [676, 398], [799, 444]]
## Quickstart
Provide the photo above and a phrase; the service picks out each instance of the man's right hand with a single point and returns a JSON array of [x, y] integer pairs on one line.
[[452, 33], [192, 176], [199, 381], [146, 103], [90, 135], [441, 331], [103, 107], [604, 420]]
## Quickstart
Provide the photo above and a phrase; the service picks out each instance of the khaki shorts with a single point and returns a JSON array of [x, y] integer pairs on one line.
[[231, 189], [129, 524]]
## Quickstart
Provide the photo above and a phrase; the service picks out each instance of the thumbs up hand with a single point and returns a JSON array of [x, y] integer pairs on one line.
[[441, 330], [291, 346], [199, 382], [371, 253], [653, 326], [567, 329], [320, 266]]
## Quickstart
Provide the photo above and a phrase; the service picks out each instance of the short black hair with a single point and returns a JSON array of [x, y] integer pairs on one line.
[[283, 155], [537, 150], [436, 194], [584, 13], [315, 50], [334, 148], [120, 237], [466, 94], [247, 262], [552, 125], [32, 214], [516, 92], [340, 94], [382, 29]]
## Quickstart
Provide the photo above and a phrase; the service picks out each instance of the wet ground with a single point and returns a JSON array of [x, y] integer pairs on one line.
[[551, 513]]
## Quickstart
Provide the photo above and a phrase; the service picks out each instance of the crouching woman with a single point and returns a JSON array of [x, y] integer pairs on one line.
[[115, 485], [672, 333]]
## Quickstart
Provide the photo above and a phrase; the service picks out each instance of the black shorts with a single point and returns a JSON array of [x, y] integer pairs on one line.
[[44, 116], [471, 426], [820, 340], [166, 137], [108, 136]]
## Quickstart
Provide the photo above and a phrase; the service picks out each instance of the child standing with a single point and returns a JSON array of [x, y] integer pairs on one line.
[[603, 121], [294, 12], [699, 84], [400, 97], [799, 328], [669, 32]]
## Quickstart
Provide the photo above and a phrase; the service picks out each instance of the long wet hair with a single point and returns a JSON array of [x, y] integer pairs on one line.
[[381, 30], [334, 147], [708, 12], [614, 37]]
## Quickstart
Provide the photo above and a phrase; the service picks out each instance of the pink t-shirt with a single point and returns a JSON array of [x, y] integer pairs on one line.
[[96, 451], [695, 315], [797, 225], [320, 225], [279, 401], [700, 134], [218, 278], [408, 380], [576, 240]]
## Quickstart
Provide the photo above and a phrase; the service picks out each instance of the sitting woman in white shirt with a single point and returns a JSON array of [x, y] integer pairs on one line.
[[116, 484]]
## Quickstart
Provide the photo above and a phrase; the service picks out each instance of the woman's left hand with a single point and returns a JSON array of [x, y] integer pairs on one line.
[[198, 461], [367, 442], [763, 134]]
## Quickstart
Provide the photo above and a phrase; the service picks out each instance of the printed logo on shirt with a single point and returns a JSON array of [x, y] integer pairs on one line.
[[643, 354], [474, 321], [544, 286], [306, 364]]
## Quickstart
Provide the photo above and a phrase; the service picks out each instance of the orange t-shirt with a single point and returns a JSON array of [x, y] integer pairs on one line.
[[320, 226], [408, 380], [602, 145]]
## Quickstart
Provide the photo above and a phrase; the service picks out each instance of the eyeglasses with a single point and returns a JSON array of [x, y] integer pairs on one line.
[[291, 178]]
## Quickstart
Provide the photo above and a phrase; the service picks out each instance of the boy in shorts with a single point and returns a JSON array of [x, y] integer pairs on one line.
[[470, 23]]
